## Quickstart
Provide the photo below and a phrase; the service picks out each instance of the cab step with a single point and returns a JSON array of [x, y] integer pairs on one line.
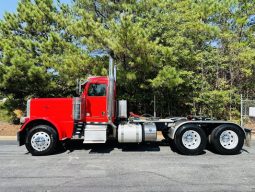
[[95, 134]]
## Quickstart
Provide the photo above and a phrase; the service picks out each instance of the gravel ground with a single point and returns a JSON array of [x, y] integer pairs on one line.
[[7, 129]]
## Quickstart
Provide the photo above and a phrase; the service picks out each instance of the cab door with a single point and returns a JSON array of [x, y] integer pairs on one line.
[[96, 110]]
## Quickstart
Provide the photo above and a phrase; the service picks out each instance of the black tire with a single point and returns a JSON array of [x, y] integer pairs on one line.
[[226, 149], [50, 137], [183, 148]]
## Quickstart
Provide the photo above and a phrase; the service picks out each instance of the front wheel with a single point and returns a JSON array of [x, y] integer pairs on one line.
[[41, 140], [190, 140], [227, 139]]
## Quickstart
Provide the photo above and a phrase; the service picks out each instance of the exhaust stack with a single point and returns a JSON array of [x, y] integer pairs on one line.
[[110, 96]]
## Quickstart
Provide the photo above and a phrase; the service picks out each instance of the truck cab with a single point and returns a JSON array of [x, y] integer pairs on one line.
[[95, 100]]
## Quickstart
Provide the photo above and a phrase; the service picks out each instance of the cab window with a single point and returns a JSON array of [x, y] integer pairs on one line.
[[97, 90]]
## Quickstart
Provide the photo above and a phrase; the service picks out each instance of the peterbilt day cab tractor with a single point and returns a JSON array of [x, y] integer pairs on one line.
[[95, 117]]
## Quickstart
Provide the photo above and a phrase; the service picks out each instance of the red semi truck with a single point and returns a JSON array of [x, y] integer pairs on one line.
[[96, 117]]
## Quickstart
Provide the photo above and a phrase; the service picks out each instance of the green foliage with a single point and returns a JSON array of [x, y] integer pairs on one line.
[[39, 58], [195, 56], [4, 115], [168, 77]]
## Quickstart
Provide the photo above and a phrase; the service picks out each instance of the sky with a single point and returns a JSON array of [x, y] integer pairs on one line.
[[11, 5]]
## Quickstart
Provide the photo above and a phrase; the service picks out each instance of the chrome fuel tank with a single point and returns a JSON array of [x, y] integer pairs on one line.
[[149, 132], [130, 133]]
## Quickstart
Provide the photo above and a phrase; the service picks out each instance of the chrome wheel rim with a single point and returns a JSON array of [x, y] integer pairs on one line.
[[228, 139], [191, 139], [40, 141]]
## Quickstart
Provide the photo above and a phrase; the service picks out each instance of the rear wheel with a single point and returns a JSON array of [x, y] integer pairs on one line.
[[190, 140], [41, 140], [227, 139]]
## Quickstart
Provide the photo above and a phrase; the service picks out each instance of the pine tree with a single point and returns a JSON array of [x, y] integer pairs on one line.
[[39, 57]]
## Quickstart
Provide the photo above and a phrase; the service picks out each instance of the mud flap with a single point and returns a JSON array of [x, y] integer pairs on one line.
[[21, 138], [247, 137]]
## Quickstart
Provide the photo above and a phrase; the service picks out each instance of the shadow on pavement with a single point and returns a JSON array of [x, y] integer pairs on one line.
[[77, 145], [73, 145]]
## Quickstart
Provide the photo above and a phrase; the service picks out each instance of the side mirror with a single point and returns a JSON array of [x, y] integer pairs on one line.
[[79, 84]]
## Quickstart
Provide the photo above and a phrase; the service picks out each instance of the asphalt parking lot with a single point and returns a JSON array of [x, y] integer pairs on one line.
[[114, 167]]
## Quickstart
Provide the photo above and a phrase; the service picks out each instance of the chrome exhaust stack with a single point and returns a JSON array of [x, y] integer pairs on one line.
[[110, 95]]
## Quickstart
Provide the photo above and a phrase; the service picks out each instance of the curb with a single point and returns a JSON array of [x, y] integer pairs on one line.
[[8, 138]]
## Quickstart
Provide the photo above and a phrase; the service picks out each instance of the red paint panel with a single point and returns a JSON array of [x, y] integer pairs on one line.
[[96, 109], [56, 110]]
